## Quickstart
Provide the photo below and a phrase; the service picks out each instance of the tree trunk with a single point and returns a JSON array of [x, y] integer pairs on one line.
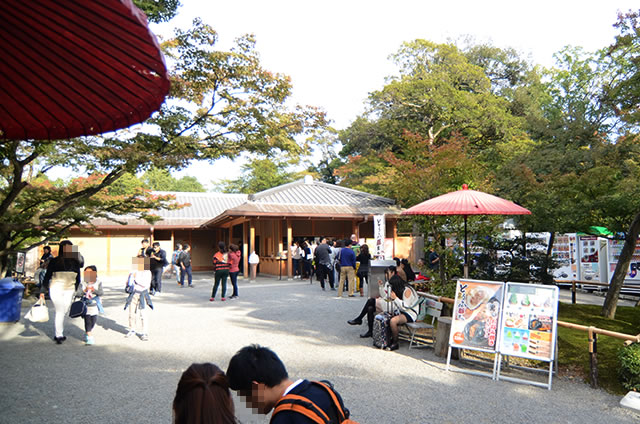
[[611, 301], [548, 278]]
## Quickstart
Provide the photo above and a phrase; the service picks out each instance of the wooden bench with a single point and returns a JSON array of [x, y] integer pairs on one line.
[[434, 309]]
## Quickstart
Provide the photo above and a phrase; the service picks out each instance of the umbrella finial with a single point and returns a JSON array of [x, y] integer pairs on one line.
[[465, 187]]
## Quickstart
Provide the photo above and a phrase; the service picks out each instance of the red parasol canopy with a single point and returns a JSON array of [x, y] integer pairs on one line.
[[467, 202], [76, 67]]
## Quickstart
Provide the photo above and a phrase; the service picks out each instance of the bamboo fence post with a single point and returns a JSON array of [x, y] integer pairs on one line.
[[593, 352], [573, 292]]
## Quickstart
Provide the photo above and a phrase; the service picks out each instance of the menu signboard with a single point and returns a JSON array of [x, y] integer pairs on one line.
[[476, 315], [529, 319]]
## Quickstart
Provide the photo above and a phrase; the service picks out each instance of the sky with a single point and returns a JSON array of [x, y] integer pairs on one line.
[[336, 52]]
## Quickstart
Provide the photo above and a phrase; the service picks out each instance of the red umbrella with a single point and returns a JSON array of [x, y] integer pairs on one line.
[[467, 202], [76, 67]]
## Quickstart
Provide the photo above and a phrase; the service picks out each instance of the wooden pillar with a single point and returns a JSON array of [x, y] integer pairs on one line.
[[278, 244], [289, 243], [108, 251], [395, 235], [230, 235], [245, 250], [252, 236], [353, 228]]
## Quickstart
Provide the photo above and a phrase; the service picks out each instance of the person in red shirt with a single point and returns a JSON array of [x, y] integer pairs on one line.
[[234, 269], [221, 266]]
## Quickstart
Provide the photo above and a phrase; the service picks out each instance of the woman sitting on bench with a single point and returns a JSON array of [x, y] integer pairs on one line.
[[400, 294]]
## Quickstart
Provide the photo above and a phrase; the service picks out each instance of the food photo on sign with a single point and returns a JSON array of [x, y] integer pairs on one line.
[[476, 314], [528, 321]]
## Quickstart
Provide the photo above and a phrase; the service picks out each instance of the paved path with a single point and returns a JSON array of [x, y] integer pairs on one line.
[[130, 381]]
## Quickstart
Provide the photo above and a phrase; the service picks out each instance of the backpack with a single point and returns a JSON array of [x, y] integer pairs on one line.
[[420, 307], [174, 257], [129, 287], [304, 406]]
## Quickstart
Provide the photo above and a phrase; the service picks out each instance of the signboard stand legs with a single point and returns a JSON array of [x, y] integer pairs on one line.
[[523, 381], [492, 375]]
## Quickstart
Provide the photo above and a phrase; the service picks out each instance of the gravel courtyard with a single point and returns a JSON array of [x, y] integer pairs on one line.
[[122, 380]]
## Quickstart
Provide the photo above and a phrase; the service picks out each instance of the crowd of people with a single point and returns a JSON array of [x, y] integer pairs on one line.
[[257, 374]]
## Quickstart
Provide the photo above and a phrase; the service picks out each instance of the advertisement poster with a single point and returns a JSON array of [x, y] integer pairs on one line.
[[565, 252], [20, 260], [529, 316], [615, 248], [476, 315], [379, 233], [589, 258]]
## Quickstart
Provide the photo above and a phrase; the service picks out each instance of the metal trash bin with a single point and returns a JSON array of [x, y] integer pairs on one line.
[[377, 273], [10, 299]]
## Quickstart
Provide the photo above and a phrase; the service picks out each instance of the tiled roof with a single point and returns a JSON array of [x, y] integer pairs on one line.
[[307, 197], [318, 194], [202, 208], [304, 197]]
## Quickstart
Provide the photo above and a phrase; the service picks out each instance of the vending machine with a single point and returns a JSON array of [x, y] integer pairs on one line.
[[632, 278], [565, 252], [593, 260]]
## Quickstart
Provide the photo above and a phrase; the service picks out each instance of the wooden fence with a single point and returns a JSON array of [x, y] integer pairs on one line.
[[591, 331]]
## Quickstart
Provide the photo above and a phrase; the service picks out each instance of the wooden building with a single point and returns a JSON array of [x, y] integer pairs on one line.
[[267, 222]]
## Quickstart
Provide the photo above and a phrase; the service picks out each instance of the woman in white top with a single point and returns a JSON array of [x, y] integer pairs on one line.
[[60, 282], [138, 284]]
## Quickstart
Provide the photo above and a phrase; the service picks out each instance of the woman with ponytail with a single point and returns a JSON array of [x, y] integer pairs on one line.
[[203, 397]]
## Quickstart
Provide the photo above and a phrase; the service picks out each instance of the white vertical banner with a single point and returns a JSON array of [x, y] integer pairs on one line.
[[379, 232]]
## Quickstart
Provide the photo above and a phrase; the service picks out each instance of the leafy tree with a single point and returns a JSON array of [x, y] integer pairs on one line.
[[441, 95], [326, 142], [259, 175], [624, 94], [161, 180], [158, 10], [221, 104]]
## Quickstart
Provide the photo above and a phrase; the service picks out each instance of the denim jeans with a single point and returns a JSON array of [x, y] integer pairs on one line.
[[186, 270], [234, 282]]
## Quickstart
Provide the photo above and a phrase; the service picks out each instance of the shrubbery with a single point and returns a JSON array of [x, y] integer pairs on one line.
[[629, 371]]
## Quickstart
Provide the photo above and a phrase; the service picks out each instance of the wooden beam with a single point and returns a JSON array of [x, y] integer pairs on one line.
[[233, 222], [252, 236], [245, 251], [108, 250], [395, 235], [289, 243]]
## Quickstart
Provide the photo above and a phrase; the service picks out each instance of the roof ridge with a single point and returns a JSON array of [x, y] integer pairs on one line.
[[202, 193], [264, 193], [275, 189]]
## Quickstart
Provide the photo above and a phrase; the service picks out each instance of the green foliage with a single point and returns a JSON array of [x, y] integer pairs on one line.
[[259, 175], [161, 180], [158, 10], [629, 372], [623, 90], [437, 92], [326, 168]]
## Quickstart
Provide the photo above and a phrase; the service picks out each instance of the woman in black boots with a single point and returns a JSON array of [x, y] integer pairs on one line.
[[379, 304]]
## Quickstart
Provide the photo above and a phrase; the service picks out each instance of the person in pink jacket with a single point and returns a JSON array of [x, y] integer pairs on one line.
[[234, 260]]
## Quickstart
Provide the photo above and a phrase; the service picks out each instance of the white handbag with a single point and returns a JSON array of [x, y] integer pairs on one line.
[[38, 312]]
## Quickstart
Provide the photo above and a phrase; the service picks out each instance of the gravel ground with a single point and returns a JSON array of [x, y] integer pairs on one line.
[[121, 380]]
